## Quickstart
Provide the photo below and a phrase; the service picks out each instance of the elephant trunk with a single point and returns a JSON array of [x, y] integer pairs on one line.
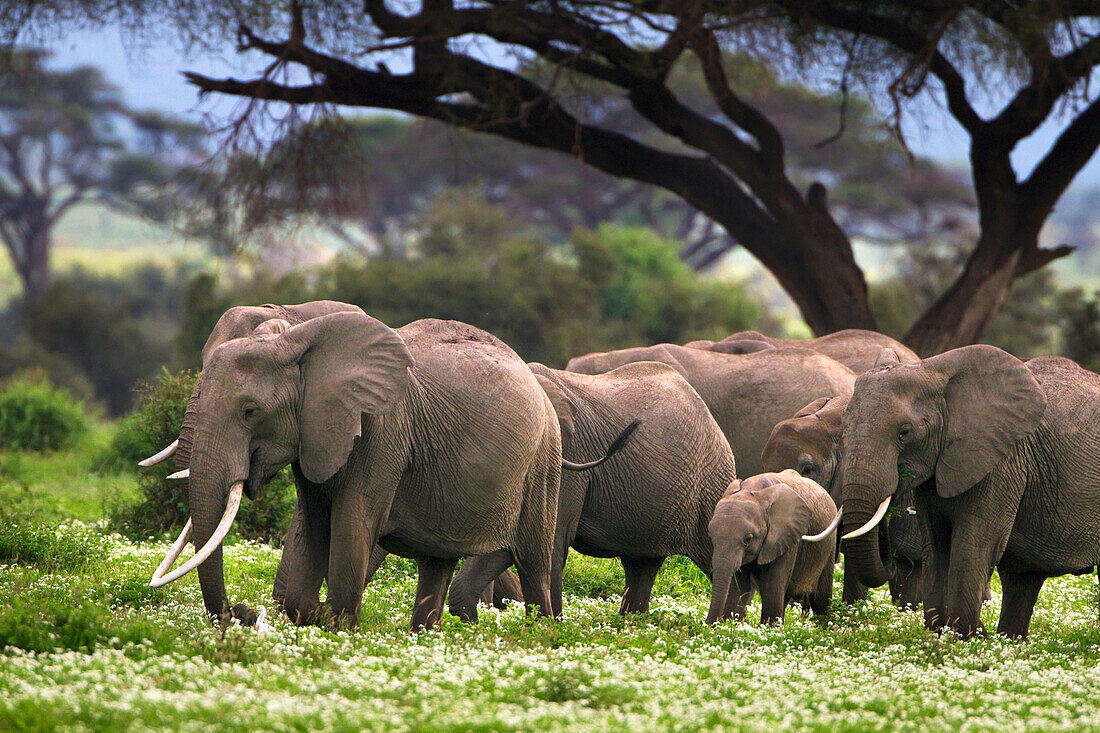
[[212, 510], [864, 487], [211, 574], [721, 579]]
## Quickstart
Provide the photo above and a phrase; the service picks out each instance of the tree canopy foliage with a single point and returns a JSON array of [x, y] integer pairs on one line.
[[364, 177], [526, 70]]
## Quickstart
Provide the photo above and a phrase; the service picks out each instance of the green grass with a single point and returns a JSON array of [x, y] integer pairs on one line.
[[57, 486], [85, 643]]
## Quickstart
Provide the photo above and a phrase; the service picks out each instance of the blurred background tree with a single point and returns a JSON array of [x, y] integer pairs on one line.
[[62, 143]]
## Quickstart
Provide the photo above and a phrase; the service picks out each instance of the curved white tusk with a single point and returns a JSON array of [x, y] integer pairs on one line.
[[872, 522], [185, 473], [158, 457], [174, 553], [825, 532], [232, 504]]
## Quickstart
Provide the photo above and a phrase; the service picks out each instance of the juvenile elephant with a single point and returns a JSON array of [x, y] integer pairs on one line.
[[747, 393], [1004, 456], [779, 531], [810, 443], [856, 348], [435, 440], [652, 500]]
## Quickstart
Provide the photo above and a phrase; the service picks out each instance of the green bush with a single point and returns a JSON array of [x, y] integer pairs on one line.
[[163, 507], [65, 547], [603, 289], [35, 415]]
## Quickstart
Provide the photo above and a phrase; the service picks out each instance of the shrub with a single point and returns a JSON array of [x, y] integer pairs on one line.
[[35, 415], [163, 507], [66, 547]]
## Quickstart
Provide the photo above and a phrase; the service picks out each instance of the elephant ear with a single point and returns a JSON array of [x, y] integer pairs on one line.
[[562, 406], [788, 519], [351, 364], [993, 402], [813, 407]]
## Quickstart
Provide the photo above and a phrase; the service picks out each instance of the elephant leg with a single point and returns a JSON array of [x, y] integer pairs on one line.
[[905, 586], [291, 553], [640, 572], [305, 561], [772, 580], [1020, 593], [853, 590], [534, 549], [506, 588], [740, 596], [377, 557], [476, 575], [773, 600], [822, 597], [433, 577], [937, 560], [574, 489], [353, 540]]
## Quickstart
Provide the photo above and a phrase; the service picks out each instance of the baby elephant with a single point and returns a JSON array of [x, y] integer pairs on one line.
[[779, 530]]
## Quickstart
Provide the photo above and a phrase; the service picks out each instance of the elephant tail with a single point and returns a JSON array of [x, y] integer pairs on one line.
[[611, 450]]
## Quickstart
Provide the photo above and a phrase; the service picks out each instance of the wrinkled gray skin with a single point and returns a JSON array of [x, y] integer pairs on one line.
[[1011, 455], [757, 530], [810, 443], [652, 500], [855, 348], [235, 323], [445, 467], [747, 393]]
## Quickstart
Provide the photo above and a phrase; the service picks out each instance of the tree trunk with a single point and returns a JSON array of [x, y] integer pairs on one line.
[[963, 313], [34, 267]]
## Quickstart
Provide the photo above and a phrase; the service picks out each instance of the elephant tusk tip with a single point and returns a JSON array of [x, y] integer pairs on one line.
[[185, 473]]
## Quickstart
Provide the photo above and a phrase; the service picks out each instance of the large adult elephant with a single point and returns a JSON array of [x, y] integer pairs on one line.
[[1010, 452], [237, 322], [810, 443], [856, 348], [655, 498], [747, 393], [435, 440]]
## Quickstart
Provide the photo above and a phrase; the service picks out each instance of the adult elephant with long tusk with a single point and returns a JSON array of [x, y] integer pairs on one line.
[[1004, 459], [237, 322], [433, 440]]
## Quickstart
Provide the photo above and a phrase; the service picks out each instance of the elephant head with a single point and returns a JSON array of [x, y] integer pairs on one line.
[[809, 442], [280, 395], [952, 418], [756, 520]]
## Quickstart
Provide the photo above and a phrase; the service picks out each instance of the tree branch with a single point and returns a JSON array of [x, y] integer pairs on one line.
[[1070, 153], [908, 40]]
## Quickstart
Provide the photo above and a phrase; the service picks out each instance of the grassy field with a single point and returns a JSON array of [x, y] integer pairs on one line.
[[86, 644]]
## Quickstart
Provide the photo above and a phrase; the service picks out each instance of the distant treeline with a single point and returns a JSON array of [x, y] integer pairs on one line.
[[465, 259]]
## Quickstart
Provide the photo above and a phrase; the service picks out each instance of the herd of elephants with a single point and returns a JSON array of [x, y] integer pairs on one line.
[[436, 441]]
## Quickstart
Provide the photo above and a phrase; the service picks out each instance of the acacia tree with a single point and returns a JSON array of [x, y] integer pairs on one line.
[[729, 161], [377, 169], [60, 144]]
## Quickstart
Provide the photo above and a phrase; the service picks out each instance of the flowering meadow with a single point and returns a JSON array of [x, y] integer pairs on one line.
[[86, 644]]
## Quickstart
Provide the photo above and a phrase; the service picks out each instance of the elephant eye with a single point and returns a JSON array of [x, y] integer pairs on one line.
[[249, 412], [905, 432], [748, 538], [806, 469]]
